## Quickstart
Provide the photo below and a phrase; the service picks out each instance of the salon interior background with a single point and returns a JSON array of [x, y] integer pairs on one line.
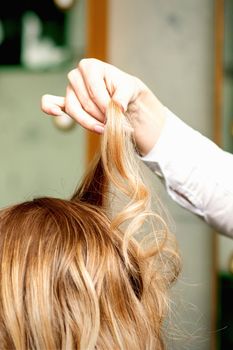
[[170, 46]]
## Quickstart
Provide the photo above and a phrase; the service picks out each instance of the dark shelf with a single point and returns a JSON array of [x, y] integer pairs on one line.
[[225, 311]]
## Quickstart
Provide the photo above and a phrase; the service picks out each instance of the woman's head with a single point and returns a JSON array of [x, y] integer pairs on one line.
[[63, 275], [73, 278]]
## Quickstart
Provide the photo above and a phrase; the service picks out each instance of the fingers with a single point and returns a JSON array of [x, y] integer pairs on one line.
[[69, 106], [104, 82], [91, 87], [93, 74], [53, 105], [78, 85], [74, 109]]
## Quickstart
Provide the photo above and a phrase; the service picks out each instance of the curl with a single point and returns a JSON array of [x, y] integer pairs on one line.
[[74, 276]]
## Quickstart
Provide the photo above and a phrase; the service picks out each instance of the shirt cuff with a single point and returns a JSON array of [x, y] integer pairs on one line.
[[176, 158]]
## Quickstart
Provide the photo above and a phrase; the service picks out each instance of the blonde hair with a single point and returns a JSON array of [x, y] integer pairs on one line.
[[73, 277]]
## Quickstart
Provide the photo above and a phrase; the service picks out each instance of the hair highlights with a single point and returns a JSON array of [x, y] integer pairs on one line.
[[74, 278]]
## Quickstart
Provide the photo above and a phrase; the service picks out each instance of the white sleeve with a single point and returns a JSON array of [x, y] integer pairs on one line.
[[197, 173]]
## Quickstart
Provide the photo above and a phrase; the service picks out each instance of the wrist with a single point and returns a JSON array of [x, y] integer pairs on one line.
[[148, 117]]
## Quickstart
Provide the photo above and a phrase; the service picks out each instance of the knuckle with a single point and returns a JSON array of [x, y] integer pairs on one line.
[[43, 101], [87, 63], [44, 98], [82, 63], [70, 75]]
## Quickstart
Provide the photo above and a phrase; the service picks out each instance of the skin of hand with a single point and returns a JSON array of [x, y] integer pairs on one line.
[[90, 88]]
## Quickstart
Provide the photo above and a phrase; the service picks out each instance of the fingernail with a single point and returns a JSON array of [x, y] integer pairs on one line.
[[99, 129]]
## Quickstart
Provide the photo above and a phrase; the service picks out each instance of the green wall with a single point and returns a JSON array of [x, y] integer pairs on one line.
[[35, 157]]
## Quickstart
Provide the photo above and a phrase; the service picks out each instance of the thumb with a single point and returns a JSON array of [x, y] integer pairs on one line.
[[125, 93]]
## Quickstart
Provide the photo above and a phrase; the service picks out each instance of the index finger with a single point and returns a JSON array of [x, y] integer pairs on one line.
[[93, 73]]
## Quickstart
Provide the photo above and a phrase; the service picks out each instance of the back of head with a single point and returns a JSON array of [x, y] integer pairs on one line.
[[73, 278]]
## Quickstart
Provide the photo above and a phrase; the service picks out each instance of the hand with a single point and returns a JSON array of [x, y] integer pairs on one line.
[[91, 86]]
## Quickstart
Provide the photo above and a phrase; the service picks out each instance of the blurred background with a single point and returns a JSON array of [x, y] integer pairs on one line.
[[39, 43], [183, 50]]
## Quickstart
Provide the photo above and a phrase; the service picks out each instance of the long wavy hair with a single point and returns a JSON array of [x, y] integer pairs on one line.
[[73, 276]]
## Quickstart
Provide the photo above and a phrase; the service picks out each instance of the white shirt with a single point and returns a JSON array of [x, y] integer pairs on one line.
[[198, 174]]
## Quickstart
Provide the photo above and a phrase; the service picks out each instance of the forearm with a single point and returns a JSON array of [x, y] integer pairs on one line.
[[198, 174]]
